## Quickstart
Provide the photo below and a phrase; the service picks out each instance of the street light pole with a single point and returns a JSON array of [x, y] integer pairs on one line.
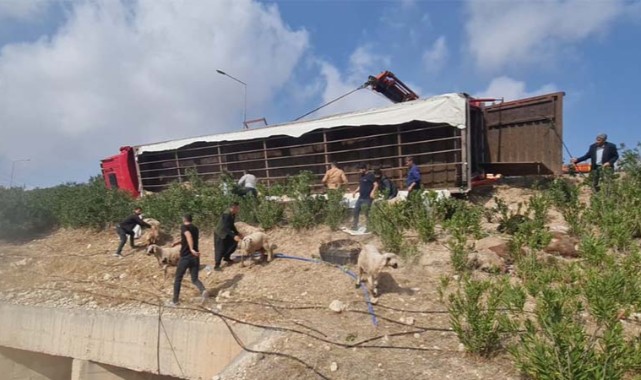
[[245, 95], [13, 168]]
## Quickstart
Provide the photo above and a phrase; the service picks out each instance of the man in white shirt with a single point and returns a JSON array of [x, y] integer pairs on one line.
[[248, 183]]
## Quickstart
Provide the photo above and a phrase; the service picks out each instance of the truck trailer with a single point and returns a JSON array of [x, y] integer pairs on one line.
[[454, 138]]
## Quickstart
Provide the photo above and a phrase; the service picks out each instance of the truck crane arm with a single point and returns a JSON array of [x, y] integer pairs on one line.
[[391, 87]]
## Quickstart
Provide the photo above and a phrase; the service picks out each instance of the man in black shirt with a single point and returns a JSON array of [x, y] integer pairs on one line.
[[366, 188], [226, 236], [189, 259], [385, 185], [126, 227]]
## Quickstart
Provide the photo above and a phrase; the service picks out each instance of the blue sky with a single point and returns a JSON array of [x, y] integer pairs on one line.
[[82, 78]]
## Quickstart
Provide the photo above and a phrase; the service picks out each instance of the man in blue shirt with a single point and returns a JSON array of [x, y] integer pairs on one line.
[[602, 154], [366, 188], [413, 181]]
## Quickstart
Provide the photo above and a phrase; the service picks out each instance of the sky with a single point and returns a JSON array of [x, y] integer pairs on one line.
[[79, 79]]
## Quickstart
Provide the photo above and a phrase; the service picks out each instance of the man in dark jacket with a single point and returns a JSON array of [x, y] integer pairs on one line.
[[126, 227], [189, 259], [602, 154], [385, 185], [226, 236]]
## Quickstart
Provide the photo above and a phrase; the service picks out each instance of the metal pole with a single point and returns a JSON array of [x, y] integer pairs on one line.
[[13, 167], [245, 95]]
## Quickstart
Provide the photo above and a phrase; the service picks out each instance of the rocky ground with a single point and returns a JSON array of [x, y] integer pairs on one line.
[[76, 269]]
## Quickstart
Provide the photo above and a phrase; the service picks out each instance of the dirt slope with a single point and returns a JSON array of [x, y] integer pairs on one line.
[[76, 269]]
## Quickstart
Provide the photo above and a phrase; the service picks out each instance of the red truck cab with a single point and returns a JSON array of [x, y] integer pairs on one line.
[[119, 171]]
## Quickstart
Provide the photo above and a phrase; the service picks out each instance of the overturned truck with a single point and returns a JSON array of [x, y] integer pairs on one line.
[[454, 138]]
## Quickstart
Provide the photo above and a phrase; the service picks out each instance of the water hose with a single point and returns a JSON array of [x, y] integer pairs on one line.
[[370, 307]]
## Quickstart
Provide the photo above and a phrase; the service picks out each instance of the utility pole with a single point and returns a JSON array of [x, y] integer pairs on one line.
[[13, 169], [245, 88]]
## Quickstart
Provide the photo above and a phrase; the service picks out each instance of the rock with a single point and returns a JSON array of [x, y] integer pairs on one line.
[[333, 367], [88, 246], [409, 321], [327, 348], [337, 306], [215, 377], [226, 294], [303, 294], [417, 335], [379, 365], [461, 347], [563, 245], [122, 276], [486, 261], [106, 277]]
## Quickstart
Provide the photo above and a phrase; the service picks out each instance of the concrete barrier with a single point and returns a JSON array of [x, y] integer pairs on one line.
[[184, 348]]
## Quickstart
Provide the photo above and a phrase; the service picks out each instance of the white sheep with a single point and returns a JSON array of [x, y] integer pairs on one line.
[[256, 242], [371, 263], [165, 255]]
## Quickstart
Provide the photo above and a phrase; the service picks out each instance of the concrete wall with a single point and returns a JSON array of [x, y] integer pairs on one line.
[[195, 349]]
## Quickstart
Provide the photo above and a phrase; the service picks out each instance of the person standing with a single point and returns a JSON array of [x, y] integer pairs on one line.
[[334, 178], [248, 184], [189, 259], [413, 181], [126, 228], [385, 185], [366, 189], [602, 154], [226, 236]]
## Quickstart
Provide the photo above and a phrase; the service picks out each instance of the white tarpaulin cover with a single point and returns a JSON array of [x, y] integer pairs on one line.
[[443, 109]]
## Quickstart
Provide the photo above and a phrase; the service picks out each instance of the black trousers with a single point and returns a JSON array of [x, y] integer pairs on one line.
[[192, 263], [223, 248], [122, 234], [596, 177]]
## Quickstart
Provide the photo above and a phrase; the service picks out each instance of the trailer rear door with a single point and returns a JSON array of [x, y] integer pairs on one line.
[[524, 137]]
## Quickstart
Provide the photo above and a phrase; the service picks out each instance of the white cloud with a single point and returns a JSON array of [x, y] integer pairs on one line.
[[362, 63], [119, 73], [21, 9], [436, 56], [511, 89], [504, 33]]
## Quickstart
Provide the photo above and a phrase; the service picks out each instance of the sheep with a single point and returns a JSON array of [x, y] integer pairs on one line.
[[370, 263], [256, 241], [165, 255], [246, 229], [152, 235]]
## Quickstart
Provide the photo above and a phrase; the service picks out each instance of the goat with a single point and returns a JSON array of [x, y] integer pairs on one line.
[[370, 264], [256, 241]]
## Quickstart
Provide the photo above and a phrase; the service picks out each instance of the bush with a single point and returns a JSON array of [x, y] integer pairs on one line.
[[388, 221], [336, 211], [478, 314], [23, 214]]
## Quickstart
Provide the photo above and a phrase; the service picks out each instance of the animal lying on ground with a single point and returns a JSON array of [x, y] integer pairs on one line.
[[165, 255], [370, 264], [256, 242]]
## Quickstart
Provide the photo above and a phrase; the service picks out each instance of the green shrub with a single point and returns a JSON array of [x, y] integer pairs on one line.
[[336, 211], [388, 221], [478, 314], [24, 213]]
